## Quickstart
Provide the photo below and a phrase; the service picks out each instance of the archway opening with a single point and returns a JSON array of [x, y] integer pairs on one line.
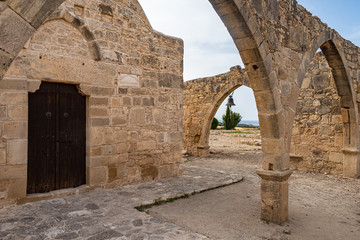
[[245, 137]]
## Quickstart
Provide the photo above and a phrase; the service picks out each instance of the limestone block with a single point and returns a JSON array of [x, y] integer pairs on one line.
[[97, 175], [175, 137], [14, 130], [33, 85], [95, 151], [14, 84], [121, 120], [2, 156], [99, 161], [17, 188], [121, 148], [98, 112], [36, 11], [14, 32], [137, 116], [336, 157], [120, 136], [13, 98], [98, 101], [170, 80], [146, 145], [18, 112], [109, 136], [100, 122], [108, 150], [116, 102], [96, 136], [159, 116], [17, 152], [13, 172], [126, 80], [339, 140], [118, 159]]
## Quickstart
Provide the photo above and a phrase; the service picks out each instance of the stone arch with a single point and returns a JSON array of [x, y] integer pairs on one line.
[[202, 98], [79, 24], [329, 45], [205, 132], [254, 51], [18, 22]]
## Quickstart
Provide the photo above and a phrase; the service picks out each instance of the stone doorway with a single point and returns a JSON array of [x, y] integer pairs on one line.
[[56, 149]]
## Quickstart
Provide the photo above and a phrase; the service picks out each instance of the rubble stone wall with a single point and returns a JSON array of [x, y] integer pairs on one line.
[[131, 76], [317, 135]]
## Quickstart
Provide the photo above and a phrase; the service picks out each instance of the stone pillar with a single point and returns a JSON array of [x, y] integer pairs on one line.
[[351, 164], [274, 195], [203, 151]]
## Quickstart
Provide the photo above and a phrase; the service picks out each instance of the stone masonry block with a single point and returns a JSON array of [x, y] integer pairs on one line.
[[98, 175], [137, 116], [18, 112], [5, 61], [14, 98], [17, 152], [2, 156], [17, 188], [14, 32], [13, 172], [35, 11], [14, 130], [336, 157], [146, 145]]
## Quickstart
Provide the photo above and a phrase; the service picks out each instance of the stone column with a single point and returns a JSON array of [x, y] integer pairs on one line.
[[274, 195], [351, 163]]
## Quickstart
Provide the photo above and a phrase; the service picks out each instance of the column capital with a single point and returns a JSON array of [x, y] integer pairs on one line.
[[277, 176]]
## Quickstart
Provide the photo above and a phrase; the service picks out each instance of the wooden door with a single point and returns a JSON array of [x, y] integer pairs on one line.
[[56, 150]]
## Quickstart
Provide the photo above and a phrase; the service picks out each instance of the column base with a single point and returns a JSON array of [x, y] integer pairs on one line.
[[203, 151], [351, 163], [274, 195]]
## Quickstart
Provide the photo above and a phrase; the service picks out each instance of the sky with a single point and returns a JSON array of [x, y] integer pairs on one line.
[[209, 49]]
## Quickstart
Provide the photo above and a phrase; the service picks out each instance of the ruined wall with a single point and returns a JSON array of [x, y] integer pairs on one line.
[[317, 136], [202, 98], [132, 78]]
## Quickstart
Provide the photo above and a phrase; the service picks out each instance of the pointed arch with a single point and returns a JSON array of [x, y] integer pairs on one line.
[[79, 24], [331, 47]]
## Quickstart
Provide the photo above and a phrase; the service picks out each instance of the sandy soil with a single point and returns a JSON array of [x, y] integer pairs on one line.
[[320, 206]]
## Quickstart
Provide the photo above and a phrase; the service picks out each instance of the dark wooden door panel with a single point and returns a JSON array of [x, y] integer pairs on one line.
[[56, 138]]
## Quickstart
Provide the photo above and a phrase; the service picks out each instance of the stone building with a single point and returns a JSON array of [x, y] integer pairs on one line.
[[131, 79], [276, 39]]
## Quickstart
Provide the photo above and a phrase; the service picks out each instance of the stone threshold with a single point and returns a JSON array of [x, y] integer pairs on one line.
[[55, 194]]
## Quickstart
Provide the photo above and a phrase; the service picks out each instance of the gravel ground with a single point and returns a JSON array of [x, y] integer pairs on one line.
[[320, 206]]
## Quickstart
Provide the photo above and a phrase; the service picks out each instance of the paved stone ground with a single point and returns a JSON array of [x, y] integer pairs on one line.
[[110, 214]]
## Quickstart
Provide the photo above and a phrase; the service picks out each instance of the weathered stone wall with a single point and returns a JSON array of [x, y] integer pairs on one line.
[[317, 136], [202, 98], [132, 78]]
